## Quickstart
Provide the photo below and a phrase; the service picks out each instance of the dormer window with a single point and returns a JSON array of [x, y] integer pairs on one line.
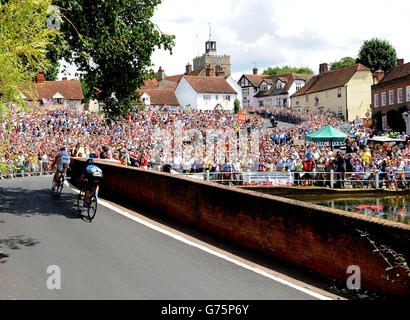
[[279, 85]]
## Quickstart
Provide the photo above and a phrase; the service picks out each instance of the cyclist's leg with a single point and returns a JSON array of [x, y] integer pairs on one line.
[[88, 189]]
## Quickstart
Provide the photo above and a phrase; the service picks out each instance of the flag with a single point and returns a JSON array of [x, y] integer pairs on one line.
[[242, 117], [47, 101]]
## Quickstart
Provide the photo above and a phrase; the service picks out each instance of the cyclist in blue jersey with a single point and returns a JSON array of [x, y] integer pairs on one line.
[[94, 177]]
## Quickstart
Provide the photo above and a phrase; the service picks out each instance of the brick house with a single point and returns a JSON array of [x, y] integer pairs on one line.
[[57, 95], [392, 91]]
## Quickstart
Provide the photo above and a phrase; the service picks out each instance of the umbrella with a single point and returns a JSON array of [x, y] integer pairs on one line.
[[328, 134]]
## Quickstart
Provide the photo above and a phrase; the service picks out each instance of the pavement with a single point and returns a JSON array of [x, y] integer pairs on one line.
[[47, 251]]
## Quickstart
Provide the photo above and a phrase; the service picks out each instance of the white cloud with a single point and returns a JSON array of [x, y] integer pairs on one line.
[[277, 33]]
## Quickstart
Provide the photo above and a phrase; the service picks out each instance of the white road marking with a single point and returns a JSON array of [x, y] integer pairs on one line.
[[193, 244]]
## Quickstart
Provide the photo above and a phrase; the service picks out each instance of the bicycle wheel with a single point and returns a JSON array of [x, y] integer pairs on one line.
[[80, 201], [92, 207], [60, 185]]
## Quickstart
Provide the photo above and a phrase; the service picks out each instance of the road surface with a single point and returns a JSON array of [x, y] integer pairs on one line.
[[113, 257]]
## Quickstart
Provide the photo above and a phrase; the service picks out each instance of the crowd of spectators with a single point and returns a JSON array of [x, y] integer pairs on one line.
[[30, 140]]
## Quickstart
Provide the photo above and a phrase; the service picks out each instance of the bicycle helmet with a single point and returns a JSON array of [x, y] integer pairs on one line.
[[90, 161]]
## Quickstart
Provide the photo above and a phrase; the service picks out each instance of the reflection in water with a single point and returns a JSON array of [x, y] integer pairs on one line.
[[391, 208]]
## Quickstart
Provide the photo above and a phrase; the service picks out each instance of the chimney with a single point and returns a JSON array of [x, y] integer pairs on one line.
[[255, 70], [323, 68], [379, 75], [210, 72], [221, 73], [400, 62], [160, 74], [40, 77], [188, 69]]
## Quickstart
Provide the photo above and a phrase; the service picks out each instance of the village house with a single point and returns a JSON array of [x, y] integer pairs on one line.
[[57, 95], [392, 91], [345, 92], [205, 93], [270, 90], [214, 88]]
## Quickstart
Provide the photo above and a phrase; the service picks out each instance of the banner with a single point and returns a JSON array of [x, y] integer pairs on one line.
[[268, 178], [327, 144], [242, 117]]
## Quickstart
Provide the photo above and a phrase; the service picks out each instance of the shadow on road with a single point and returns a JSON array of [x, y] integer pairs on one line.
[[15, 243], [27, 203]]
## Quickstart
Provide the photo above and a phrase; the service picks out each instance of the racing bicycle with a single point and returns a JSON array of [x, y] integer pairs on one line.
[[91, 202]]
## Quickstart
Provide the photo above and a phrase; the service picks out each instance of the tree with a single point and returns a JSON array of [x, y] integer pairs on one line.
[[287, 69], [343, 63], [24, 37], [377, 54], [237, 106], [111, 43]]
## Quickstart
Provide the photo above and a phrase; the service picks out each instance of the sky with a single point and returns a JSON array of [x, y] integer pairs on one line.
[[269, 33]]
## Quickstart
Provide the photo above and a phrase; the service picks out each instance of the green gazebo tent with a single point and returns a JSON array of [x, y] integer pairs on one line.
[[328, 134]]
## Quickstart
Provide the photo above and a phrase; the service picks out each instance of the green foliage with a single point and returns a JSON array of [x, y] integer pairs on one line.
[[237, 106], [287, 69], [343, 63], [377, 54], [396, 262], [111, 43], [24, 38]]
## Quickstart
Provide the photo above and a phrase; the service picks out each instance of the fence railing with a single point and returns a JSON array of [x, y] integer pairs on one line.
[[17, 168], [331, 179]]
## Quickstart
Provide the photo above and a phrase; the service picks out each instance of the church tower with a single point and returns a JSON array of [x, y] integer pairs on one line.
[[220, 63]]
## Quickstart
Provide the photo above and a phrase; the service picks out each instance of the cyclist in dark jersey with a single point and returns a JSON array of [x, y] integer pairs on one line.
[[94, 176]]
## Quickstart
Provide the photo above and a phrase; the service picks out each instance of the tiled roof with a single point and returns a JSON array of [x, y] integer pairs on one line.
[[330, 80], [210, 85], [70, 90], [196, 72], [255, 79], [175, 78], [287, 78], [399, 71], [161, 96]]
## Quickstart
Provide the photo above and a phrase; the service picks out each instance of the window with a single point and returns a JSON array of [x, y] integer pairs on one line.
[[339, 111], [307, 98], [245, 91], [339, 92], [216, 97], [384, 101], [384, 122], [207, 97], [327, 95], [299, 85], [391, 97], [59, 101], [279, 85], [408, 93], [227, 97], [260, 103], [400, 95], [297, 101], [376, 100]]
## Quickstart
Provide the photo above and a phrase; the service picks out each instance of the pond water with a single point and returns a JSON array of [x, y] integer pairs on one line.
[[395, 208]]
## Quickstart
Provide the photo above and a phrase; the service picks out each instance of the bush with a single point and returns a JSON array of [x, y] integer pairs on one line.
[[237, 106]]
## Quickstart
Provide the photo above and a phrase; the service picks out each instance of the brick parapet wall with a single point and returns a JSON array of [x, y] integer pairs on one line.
[[319, 239]]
